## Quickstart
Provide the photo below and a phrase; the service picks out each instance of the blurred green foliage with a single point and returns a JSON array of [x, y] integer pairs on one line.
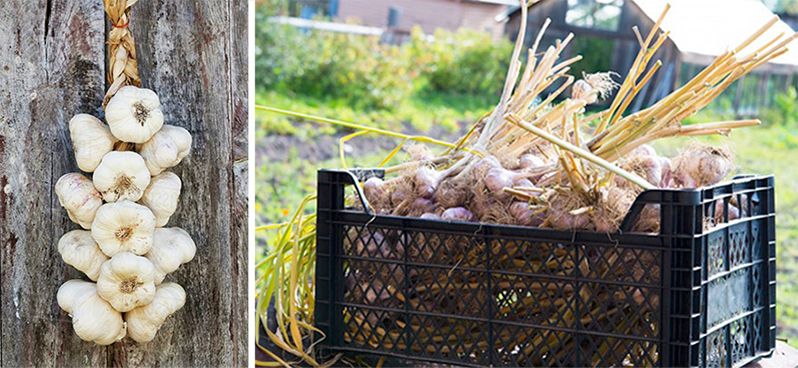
[[357, 69], [596, 55], [363, 73], [465, 61]]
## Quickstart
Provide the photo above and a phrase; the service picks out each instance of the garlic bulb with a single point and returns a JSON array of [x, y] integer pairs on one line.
[[171, 247], [126, 281], [144, 322], [582, 90], [134, 114], [91, 140], [77, 194], [161, 196], [166, 148], [78, 249], [123, 227], [93, 319], [121, 176]]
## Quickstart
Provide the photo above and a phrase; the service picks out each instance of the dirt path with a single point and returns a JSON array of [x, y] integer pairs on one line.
[[324, 147]]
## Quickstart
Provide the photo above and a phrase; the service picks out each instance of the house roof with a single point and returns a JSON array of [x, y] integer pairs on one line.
[[704, 29], [499, 2], [708, 27]]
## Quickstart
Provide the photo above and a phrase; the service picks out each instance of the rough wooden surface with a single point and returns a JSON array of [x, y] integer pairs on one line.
[[52, 66]]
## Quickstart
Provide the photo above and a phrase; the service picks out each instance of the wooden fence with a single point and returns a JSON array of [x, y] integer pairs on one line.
[[52, 66]]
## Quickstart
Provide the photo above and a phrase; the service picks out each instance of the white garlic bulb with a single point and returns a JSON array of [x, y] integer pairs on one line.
[[91, 140], [93, 319], [144, 322], [582, 90], [123, 226], [134, 114], [121, 176], [78, 249], [78, 195], [162, 195], [166, 148], [171, 247], [126, 281]]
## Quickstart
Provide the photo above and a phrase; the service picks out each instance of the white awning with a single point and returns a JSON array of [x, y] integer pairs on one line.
[[707, 28]]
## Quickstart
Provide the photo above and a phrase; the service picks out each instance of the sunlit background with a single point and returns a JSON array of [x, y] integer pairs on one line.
[[433, 67]]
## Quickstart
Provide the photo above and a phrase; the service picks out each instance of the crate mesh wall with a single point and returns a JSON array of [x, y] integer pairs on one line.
[[696, 294]]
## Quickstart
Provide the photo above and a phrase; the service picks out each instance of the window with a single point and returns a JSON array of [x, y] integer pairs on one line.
[[598, 14], [309, 9]]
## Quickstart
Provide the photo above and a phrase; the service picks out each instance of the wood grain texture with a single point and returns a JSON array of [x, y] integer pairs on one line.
[[52, 66]]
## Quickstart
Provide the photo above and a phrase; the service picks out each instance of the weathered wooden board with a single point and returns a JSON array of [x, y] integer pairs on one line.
[[52, 66]]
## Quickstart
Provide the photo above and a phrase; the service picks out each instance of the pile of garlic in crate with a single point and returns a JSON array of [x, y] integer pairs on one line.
[[123, 207]]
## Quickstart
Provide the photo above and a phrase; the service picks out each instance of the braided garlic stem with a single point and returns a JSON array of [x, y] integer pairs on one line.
[[122, 66]]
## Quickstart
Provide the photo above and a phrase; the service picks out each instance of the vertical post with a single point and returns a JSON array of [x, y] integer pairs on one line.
[[770, 291], [329, 272], [486, 234]]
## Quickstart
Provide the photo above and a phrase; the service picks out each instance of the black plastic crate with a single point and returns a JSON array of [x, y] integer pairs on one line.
[[696, 294]]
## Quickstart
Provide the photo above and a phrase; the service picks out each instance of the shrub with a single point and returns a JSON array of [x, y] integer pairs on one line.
[[465, 61], [278, 60], [356, 70], [360, 72]]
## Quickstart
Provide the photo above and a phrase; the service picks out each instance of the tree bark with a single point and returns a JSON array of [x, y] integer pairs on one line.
[[52, 66]]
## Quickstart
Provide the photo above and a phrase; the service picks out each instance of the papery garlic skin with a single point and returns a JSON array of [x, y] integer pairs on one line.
[[91, 140], [121, 176], [166, 148], [161, 196], [77, 195], [144, 322], [126, 281], [134, 114], [78, 249], [123, 226], [93, 319], [171, 247]]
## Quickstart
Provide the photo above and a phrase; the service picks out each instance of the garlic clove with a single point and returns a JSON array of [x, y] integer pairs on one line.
[[93, 319], [161, 196], [144, 322], [77, 195], [166, 148], [78, 249], [91, 140], [171, 247], [123, 226], [126, 281], [121, 176], [134, 114]]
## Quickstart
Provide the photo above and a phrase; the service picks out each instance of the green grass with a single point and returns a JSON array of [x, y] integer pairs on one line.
[[760, 150]]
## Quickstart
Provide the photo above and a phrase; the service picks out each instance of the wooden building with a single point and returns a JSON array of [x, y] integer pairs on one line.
[[428, 14], [699, 31], [397, 18]]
